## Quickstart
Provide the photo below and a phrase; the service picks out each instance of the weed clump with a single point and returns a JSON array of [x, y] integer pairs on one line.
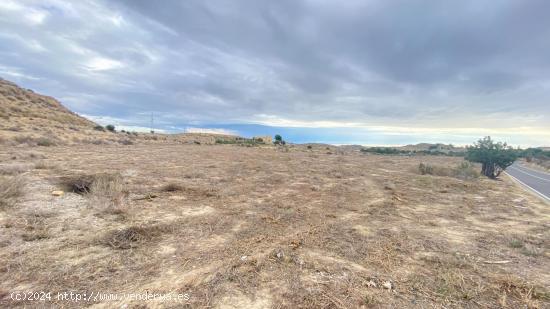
[[45, 142], [425, 169], [131, 237], [11, 188], [126, 238], [105, 190], [465, 170]]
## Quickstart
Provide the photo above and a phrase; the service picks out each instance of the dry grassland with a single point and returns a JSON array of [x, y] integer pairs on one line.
[[238, 227]]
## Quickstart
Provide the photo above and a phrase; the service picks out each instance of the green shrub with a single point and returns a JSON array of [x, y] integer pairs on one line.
[[43, 141], [494, 157], [110, 128]]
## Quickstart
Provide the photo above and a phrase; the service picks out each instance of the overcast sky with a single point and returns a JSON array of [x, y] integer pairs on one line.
[[370, 72]]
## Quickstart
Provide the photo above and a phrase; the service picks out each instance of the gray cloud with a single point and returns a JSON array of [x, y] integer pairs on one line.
[[424, 63]]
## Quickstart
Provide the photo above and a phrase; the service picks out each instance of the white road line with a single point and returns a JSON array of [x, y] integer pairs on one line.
[[532, 170], [521, 171], [528, 187]]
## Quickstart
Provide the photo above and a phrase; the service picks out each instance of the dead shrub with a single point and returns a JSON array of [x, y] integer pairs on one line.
[[518, 289], [35, 228], [108, 192], [11, 188], [131, 237], [45, 142], [108, 185], [104, 190], [126, 238], [78, 184]]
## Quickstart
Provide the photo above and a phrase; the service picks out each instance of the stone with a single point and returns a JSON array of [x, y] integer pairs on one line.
[[58, 193]]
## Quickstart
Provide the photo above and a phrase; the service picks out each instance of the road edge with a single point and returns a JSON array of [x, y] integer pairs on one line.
[[522, 184]]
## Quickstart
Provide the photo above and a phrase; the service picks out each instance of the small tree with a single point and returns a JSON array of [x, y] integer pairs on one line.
[[110, 127], [279, 140], [494, 157]]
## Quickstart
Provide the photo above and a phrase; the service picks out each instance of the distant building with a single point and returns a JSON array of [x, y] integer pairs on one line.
[[265, 139]]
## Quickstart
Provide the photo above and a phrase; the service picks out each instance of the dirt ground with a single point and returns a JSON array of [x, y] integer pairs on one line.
[[265, 227]]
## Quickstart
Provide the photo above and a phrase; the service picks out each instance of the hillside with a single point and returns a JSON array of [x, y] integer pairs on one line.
[[29, 118], [21, 107]]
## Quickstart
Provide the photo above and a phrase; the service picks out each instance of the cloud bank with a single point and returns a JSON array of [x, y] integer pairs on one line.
[[423, 65]]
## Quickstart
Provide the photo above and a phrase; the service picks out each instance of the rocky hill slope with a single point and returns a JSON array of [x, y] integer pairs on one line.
[[28, 118]]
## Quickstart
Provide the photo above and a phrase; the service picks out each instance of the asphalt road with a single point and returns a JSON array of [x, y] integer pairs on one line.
[[537, 181]]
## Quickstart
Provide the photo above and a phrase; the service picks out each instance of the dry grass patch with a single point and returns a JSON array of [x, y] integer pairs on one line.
[[246, 229], [13, 169], [515, 292], [105, 191], [131, 237], [35, 227], [11, 188], [42, 165], [464, 170], [102, 184]]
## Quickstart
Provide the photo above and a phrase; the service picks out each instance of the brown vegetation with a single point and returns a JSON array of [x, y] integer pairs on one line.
[[263, 227], [11, 188], [31, 119]]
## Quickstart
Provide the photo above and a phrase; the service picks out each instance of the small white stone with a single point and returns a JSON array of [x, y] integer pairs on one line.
[[58, 193]]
